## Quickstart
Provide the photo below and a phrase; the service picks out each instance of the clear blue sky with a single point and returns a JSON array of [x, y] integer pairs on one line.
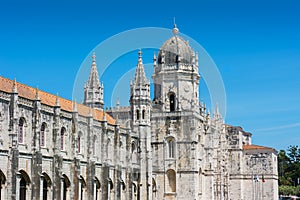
[[255, 44]]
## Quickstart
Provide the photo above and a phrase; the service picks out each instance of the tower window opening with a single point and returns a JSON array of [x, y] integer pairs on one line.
[[143, 114], [137, 114], [172, 102]]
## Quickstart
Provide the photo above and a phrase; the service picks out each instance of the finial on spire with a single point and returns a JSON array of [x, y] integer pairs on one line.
[[94, 57], [175, 29], [140, 56]]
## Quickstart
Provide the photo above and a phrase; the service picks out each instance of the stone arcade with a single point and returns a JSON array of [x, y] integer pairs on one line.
[[166, 148]]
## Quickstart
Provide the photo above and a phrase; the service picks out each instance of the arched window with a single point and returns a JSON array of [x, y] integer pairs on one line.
[[62, 138], [171, 181], [143, 114], [46, 185], [137, 114], [24, 181], [66, 185], [21, 130], [172, 102], [42, 134], [171, 147], [22, 189]]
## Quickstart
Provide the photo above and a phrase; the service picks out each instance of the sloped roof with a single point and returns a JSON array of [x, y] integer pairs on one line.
[[27, 92], [256, 147]]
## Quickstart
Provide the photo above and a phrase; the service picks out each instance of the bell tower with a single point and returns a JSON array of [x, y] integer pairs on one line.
[[176, 78]]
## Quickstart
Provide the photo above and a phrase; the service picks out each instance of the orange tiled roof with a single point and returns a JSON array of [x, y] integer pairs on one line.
[[28, 92], [256, 147]]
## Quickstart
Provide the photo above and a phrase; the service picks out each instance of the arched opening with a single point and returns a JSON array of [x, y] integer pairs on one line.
[[137, 114], [46, 185], [42, 134], [66, 185], [21, 130], [143, 114], [171, 147], [2, 182], [62, 138], [171, 181], [172, 102], [24, 182], [98, 187]]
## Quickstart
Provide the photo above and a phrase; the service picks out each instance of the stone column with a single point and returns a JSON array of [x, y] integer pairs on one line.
[[18, 179], [95, 189], [79, 189], [41, 186], [62, 188], [108, 191]]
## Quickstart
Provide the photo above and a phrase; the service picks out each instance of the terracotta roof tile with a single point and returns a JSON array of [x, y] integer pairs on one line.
[[256, 147], [28, 92]]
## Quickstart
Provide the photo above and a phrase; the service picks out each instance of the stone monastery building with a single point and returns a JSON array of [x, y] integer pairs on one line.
[[166, 148]]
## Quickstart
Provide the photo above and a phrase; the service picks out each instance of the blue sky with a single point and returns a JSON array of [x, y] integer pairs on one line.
[[255, 44]]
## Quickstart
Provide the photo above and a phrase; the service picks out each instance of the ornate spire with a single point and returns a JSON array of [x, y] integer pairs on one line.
[[140, 77], [93, 90], [94, 81]]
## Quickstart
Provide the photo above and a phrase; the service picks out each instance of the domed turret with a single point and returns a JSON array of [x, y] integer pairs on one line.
[[175, 50]]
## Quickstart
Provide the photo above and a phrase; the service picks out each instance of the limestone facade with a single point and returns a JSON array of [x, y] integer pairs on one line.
[[168, 148]]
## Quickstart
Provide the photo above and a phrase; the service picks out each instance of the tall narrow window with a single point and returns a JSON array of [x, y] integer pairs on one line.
[[143, 114], [21, 131], [171, 148], [62, 137], [79, 144], [42, 135], [172, 102], [137, 114]]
